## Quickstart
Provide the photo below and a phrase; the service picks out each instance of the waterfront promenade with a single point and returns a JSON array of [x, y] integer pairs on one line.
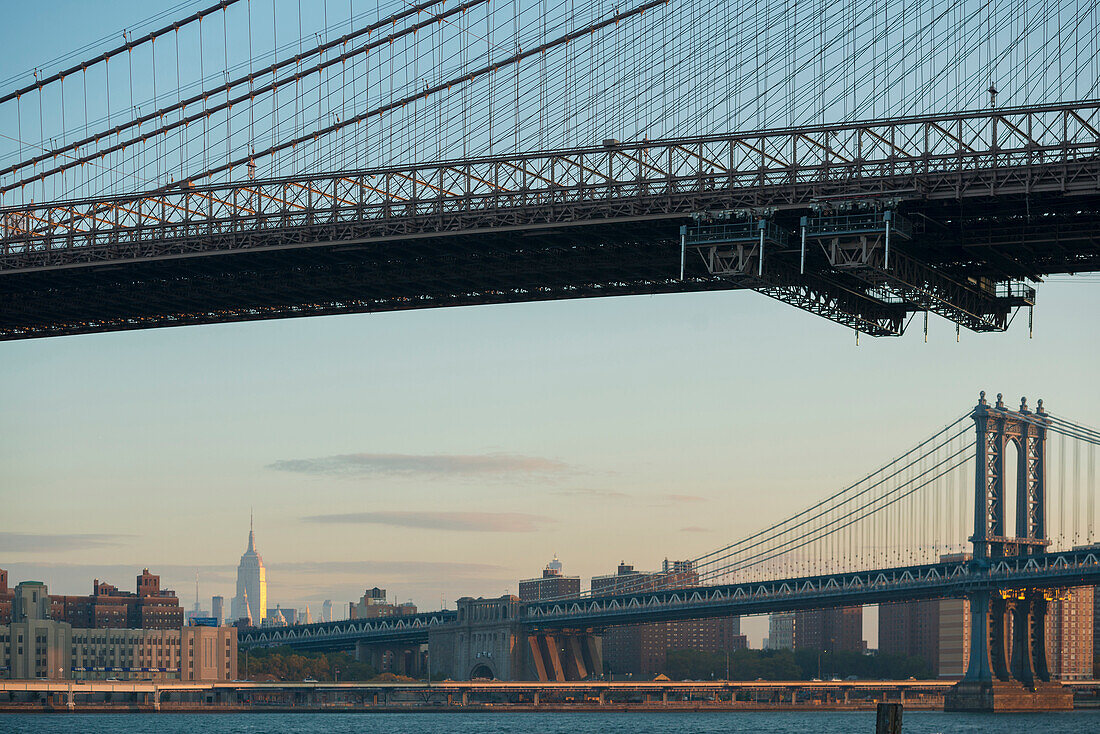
[[457, 696]]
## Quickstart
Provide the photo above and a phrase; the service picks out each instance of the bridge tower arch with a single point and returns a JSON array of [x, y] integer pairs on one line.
[[1007, 640]]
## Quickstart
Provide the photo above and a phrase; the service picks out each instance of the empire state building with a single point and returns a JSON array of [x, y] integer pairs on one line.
[[251, 598]]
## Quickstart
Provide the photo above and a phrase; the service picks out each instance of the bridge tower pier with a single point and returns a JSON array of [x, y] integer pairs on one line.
[[492, 640], [1008, 669]]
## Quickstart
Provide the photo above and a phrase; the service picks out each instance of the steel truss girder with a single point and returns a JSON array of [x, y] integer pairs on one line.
[[816, 295], [859, 245], [939, 156], [930, 290]]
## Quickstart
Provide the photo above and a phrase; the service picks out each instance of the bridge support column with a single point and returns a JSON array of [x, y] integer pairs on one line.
[[575, 666], [998, 639], [536, 698], [538, 658], [1038, 637], [554, 654], [1022, 669]]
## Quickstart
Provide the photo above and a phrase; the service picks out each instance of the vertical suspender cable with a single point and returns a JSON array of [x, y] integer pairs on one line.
[[1090, 489], [202, 86], [229, 111], [1062, 488], [1076, 493]]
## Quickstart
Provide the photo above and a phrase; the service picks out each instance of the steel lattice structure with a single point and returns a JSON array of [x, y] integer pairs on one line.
[[997, 194]]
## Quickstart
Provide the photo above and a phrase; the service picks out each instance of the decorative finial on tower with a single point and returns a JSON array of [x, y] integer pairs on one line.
[[1039, 406], [1000, 400], [1023, 405], [251, 535], [981, 398]]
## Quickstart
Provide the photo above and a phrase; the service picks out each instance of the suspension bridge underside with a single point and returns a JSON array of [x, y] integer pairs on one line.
[[980, 201]]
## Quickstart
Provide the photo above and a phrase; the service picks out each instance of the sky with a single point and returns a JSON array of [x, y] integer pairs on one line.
[[453, 452]]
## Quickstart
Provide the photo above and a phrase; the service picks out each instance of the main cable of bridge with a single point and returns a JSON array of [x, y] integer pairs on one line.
[[582, 88], [911, 511]]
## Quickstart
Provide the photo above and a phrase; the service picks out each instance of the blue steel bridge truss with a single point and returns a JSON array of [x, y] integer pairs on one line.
[[929, 581]]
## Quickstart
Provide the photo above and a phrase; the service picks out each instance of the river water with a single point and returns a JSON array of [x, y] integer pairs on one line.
[[914, 722]]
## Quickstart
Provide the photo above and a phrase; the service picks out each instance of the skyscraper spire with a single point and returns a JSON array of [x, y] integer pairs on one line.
[[251, 578]]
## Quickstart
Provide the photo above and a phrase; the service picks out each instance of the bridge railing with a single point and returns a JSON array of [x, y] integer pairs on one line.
[[345, 629], [1052, 570], [584, 182]]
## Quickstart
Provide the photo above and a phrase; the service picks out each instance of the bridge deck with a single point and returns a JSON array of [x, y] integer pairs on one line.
[[563, 224]]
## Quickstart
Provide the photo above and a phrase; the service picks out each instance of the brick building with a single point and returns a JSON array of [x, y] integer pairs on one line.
[[642, 649], [832, 630], [374, 605], [107, 607], [6, 595], [913, 629], [34, 645], [551, 585], [1069, 630]]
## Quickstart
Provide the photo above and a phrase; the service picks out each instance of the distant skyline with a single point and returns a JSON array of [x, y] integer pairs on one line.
[[453, 452]]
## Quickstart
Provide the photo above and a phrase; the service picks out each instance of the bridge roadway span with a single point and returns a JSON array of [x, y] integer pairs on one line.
[[998, 194], [938, 580]]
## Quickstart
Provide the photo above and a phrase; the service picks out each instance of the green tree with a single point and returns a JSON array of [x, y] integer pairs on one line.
[[287, 664], [788, 665]]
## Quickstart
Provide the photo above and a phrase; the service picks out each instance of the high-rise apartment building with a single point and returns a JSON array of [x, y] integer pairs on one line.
[[251, 599], [552, 584], [830, 630], [936, 630], [781, 631], [1069, 631], [954, 653], [642, 649], [217, 609], [326, 611], [911, 628]]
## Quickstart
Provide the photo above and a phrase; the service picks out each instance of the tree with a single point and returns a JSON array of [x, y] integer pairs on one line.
[[287, 664], [791, 665]]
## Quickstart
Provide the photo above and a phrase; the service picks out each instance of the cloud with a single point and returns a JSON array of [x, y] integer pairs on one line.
[[56, 542], [680, 498], [486, 522], [433, 465], [434, 569], [609, 494]]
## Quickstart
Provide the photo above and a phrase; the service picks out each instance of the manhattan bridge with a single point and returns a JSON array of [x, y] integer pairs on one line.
[[860, 160]]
